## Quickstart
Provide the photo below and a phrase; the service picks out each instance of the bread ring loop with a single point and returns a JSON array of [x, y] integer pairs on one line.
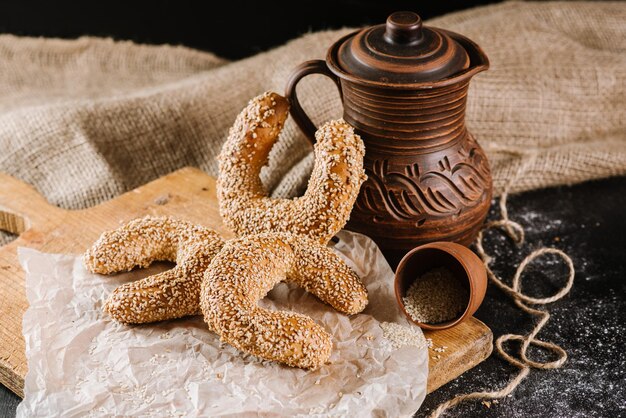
[[249, 267], [171, 294], [333, 187]]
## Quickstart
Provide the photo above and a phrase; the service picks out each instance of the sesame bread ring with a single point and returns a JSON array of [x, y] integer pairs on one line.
[[333, 187], [171, 294], [249, 267]]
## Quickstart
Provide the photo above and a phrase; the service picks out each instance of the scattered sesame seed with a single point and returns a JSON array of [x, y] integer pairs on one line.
[[402, 336]]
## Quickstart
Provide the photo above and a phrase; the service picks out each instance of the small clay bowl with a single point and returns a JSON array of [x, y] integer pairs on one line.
[[462, 263]]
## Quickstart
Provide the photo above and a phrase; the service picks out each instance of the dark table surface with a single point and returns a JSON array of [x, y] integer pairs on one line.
[[587, 221]]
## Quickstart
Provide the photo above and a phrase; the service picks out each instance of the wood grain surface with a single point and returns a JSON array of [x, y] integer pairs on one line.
[[188, 194]]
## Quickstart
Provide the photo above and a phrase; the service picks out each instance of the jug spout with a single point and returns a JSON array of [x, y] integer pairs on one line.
[[479, 61]]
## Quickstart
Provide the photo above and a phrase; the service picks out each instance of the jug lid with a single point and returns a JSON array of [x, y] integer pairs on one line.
[[401, 51]]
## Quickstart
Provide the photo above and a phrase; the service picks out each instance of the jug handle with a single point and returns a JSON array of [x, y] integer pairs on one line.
[[298, 114]]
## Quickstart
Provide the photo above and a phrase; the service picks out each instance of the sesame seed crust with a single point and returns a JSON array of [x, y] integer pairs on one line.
[[332, 190], [171, 294], [320, 271], [249, 267], [224, 281], [281, 240]]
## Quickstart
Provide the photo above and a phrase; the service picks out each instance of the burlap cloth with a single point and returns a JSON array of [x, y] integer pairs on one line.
[[87, 119]]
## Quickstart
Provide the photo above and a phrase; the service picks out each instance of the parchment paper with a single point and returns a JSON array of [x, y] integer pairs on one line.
[[81, 363]]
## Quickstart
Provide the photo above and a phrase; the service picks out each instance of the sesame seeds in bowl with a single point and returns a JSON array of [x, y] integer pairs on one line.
[[440, 284]]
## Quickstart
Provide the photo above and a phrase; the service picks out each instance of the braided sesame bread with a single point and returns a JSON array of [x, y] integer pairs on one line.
[[171, 294], [334, 185], [249, 267]]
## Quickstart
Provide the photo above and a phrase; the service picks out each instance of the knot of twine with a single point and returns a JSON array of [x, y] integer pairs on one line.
[[516, 233]]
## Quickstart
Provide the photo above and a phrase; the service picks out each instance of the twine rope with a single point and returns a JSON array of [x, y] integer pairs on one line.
[[515, 231]]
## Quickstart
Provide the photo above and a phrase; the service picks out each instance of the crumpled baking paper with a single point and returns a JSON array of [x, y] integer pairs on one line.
[[81, 363]]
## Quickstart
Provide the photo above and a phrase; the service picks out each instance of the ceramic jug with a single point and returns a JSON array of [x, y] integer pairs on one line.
[[404, 89]]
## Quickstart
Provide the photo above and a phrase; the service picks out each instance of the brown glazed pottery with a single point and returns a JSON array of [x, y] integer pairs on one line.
[[404, 90], [461, 261]]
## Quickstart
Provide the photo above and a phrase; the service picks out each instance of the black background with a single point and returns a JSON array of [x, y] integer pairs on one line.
[[231, 29], [586, 220]]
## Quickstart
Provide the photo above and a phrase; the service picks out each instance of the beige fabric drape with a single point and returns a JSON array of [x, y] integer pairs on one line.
[[84, 120]]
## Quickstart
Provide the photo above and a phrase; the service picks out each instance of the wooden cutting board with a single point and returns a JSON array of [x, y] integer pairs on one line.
[[188, 194]]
